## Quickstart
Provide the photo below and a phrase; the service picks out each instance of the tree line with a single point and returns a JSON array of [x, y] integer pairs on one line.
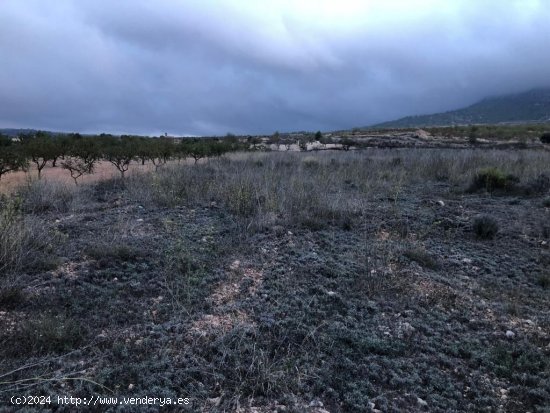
[[79, 155]]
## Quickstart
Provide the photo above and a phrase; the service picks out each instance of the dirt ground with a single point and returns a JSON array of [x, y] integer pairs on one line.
[[103, 170], [391, 304]]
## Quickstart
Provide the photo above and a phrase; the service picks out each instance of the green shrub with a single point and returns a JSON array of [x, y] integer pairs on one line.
[[423, 257], [241, 199], [485, 227], [47, 334], [310, 162], [10, 296], [108, 253], [543, 280], [493, 179]]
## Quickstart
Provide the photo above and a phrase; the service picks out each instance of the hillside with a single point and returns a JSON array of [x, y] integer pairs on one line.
[[14, 132], [531, 106]]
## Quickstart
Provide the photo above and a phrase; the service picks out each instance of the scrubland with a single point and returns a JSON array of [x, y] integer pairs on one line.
[[341, 281]]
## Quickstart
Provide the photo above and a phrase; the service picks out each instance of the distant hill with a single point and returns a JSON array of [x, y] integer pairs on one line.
[[527, 107], [14, 132]]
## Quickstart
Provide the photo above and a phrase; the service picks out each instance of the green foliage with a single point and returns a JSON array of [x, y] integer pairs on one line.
[[41, 148], [485, 227], [12, 157], [423, 257], [47, 334], [347, 143], [543, 280], [121, 152], [492, 179]]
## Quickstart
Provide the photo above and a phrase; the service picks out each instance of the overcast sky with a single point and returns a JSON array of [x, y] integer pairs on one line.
[[213, 67]]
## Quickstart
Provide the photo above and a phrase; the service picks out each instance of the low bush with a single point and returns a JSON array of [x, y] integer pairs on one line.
[[545, 137], [423, 257], [46, 334], [485, 227], [543, 280], [539, 185], [24, 242], [493, 179], [42, 196], [10, 296]]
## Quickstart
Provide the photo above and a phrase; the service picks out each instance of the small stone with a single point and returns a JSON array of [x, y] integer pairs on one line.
[[371, 405], [466, 260], [331, 293], [421, 402], [140, 220], [316, 403], [130, 386], [510, 334], [215, 401], [289, 232], [441, 203]]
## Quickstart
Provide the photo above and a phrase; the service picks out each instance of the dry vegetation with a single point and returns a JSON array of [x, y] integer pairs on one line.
[[373, 280]]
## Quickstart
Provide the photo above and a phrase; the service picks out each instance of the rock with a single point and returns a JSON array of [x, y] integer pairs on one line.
[[510, 334], [467, 261], [130, 386], [405, 330], [215, 401], [331, 293], [421, 402], [441, 203], [371, 405], [316, 403]]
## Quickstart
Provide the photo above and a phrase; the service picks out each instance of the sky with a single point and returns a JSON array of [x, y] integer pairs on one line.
[[208, 67]]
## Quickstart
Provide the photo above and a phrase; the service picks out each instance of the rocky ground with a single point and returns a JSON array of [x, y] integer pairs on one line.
[[393, 304]]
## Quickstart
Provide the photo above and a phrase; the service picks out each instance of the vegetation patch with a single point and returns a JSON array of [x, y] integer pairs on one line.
[[492, 180], [485, 227], [44, 335], [423, 257]]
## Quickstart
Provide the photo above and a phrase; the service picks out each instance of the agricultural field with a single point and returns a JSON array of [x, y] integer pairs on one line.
[[362, 280]]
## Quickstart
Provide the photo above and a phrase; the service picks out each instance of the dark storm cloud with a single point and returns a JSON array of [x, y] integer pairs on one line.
[[195, 67]]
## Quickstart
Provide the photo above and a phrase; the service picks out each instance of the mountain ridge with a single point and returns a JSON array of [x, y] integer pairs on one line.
[[532, 106]]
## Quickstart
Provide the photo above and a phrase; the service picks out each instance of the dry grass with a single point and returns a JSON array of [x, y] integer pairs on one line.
[[347, 277]]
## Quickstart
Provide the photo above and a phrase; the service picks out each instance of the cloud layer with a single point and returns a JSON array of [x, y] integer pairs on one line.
[[196, 67]]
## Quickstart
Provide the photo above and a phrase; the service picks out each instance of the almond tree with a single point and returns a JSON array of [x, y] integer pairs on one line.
[[40, 150], [12, 157], [121, 153]]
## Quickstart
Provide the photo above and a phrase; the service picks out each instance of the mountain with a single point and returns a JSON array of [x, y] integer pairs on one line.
[[527, 107]]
